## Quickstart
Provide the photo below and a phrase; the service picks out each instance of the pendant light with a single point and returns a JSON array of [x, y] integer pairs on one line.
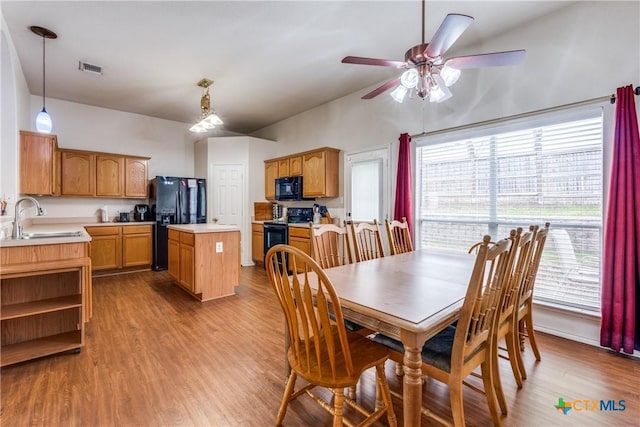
[[43, 119], [208, 117]]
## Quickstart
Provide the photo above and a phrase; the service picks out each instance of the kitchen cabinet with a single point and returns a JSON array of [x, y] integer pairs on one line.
[[110, 175], [204, 259], [270, 175], [39, 164], [136, 177], [120, 247], [290, 166], [319, 170], [78, 173], [300, 237], [45, 294], [136, 246], [106, 247], [257, 243], [320, 173]]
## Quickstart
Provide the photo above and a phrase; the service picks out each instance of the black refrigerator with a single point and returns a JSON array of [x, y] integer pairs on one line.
[[174, 200]]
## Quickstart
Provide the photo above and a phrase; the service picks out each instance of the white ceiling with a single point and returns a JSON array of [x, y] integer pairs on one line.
[[269, 59]]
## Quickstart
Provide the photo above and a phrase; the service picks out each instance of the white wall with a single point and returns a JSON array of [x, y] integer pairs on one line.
[[247, 151], [580, 52]]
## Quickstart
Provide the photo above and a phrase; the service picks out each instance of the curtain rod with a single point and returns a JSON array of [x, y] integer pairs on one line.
[[611, 98]]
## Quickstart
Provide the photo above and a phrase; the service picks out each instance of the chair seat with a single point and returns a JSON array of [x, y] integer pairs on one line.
[[435, 352], [364, 353]]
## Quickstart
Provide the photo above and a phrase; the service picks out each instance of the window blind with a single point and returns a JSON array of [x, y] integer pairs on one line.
[[471, 186]]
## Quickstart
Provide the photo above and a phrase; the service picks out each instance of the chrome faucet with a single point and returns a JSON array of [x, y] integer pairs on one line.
[[17, 223]]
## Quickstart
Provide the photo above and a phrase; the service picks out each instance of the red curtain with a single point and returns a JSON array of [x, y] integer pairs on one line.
[[620, 327], [404, 203]]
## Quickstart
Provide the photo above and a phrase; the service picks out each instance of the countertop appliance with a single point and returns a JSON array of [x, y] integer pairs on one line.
[[174, 200], [141, 213], [289, 188]]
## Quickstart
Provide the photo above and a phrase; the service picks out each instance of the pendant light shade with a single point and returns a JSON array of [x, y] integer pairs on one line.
[[44, 123]]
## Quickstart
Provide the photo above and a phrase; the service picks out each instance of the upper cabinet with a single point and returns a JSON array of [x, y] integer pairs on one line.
[[78, 173], [319, 170], [109, 175], [320, 173], [136, 181], [270, 175], [39, 164], [47, 170]]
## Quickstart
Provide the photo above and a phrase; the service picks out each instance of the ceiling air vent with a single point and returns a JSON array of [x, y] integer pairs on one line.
[[90, 68]]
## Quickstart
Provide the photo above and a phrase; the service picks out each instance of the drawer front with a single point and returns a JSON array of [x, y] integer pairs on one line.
[[136, 229], [187, 238], [104, 231], [174, 235], [299, 232], [257, 227]]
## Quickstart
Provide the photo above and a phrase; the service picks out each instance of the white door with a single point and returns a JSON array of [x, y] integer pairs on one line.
[[228, 194]]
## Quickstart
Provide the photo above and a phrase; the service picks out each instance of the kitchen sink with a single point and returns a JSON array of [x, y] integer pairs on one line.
[[46, 234]]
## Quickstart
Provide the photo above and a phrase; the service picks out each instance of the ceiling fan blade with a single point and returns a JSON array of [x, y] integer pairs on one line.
[[496, 59], [451, 28], [373, 61], [385, 87]]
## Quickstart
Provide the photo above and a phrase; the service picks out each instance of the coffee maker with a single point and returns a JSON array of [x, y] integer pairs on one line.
[[141, 213]]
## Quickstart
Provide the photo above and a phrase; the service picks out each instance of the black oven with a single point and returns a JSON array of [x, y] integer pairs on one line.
[[275, 233]]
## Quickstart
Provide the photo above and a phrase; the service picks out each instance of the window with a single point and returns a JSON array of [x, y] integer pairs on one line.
[[367, 184], [490, 180]]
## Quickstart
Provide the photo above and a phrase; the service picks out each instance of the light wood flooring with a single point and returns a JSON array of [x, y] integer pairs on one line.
[[155, 356]]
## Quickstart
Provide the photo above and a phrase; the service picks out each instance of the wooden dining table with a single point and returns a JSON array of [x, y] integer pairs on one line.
[[410, 297]]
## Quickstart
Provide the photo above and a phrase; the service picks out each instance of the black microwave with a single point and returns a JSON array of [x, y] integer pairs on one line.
[[289, 188]]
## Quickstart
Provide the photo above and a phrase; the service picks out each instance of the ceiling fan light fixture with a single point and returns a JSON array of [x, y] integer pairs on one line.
[[450, 75], [399, 93], [439, 91], [409, 78]]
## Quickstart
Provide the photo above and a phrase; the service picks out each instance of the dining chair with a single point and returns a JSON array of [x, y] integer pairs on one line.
[[399, 236], [367, 243], [321, 351], [451, 355], [524, 318], [330, 245]]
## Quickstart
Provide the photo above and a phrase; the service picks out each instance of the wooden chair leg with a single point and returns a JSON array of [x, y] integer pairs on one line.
[[514, 356], [286, 397], [497, 383], [352, 392], [382, 389], [488, 377], [457, 407], [399, 369], [528, 320], [338, 403]]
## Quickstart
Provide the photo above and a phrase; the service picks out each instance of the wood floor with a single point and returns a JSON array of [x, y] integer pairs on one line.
[[157, 357]]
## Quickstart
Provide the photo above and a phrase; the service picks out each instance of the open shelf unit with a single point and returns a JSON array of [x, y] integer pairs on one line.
[[42, 309]]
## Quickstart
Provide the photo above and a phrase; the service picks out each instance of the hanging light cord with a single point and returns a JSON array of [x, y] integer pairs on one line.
[[43, 73]]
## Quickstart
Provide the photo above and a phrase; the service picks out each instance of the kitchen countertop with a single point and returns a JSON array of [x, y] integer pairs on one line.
[[203, 228], [37, 225], [290, 224]]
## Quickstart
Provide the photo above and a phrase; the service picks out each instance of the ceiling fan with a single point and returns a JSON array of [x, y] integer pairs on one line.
[[428, 74]]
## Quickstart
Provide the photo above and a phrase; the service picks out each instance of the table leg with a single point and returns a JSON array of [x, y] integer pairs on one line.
[[412, 381]]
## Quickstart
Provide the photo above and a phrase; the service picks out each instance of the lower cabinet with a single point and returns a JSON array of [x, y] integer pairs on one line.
[[207, 265], [257, 243], [120, 247], [299, 237]]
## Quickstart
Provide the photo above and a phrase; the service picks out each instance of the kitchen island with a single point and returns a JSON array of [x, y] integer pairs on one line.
[[204, 259]]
